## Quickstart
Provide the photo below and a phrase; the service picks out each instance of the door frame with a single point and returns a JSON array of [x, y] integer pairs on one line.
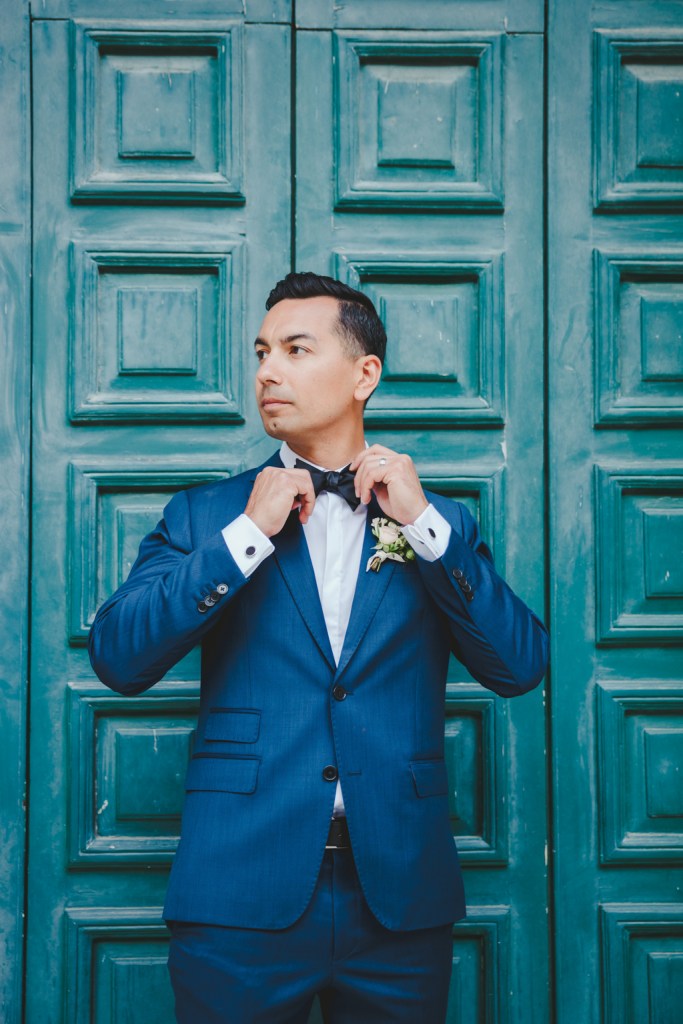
[[15, 594]]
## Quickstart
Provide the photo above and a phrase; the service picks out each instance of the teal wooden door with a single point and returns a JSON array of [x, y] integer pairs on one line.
[[15, 372], [615, 318], [162, 214], [519, 227], [416, 181], [162, 206]]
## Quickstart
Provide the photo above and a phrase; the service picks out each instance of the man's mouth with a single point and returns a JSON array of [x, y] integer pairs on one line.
[[273, 403]]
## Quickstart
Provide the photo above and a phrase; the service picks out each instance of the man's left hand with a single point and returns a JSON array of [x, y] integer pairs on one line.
[[393, 478]]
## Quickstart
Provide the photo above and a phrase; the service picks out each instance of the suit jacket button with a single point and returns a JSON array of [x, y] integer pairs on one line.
[[466, 587], [339, 693], [209, 602], [330, 773], [215, 595], [201, 607], [470, 595], [222, 588], [458, 573]]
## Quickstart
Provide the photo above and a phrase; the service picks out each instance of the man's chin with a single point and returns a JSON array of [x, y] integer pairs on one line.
[[274, 427]]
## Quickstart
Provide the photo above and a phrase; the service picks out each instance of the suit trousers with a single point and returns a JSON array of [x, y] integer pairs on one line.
[[362, 972]]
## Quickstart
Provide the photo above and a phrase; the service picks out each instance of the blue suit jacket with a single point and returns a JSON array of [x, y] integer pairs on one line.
[[257, 806]]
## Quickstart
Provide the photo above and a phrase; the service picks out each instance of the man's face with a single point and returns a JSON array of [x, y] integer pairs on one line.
[[305, 380]]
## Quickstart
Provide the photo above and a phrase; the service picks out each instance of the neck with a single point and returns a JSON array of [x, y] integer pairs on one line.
[[329, 452]]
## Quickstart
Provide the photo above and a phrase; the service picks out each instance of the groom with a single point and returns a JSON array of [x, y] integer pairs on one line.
[[316, 854]]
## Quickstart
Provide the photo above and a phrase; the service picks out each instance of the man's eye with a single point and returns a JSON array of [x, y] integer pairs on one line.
[[296, 348], [260, 353]]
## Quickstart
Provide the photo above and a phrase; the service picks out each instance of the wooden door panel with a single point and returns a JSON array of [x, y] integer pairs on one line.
[[452, 15], [157, 114], [162, 219], [157, 11], [615, 242], [415, 183], [15, 448]]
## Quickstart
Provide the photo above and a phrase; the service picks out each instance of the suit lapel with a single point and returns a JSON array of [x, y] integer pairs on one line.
[[370, 589], [294, 560], [291, 551]]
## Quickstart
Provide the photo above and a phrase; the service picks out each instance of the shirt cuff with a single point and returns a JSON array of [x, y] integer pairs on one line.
[[246, 543], [429, 535]]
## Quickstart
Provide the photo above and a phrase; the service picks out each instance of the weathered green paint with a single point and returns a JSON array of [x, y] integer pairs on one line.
[[146, 230], [15, 369], [615, 333], [144, 317], [418, 267]]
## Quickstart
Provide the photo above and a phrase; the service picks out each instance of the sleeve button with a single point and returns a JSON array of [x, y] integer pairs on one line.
[[432, 533], [251, 550], [202, 607], [222, 588], [458, 573]]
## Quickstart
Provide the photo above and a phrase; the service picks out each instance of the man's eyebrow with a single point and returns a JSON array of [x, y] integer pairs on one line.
[[289, 339]]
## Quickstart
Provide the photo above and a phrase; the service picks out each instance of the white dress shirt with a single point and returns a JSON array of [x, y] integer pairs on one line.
[[334, 534]]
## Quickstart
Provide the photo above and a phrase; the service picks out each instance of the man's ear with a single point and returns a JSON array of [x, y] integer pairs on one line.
[[368, 373]]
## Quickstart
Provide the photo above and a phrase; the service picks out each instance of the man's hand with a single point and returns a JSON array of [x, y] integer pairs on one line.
[[275, 493], [394, 480]]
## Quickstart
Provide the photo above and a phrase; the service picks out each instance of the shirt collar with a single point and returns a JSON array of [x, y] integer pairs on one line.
[[289, 457]]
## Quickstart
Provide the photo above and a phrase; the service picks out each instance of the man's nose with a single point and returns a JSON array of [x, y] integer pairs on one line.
[[268, 369]]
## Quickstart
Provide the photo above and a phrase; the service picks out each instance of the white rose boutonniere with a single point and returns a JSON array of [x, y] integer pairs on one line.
[[391, 544]]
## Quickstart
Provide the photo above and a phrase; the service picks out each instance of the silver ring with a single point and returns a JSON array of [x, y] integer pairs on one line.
[[382, 461]]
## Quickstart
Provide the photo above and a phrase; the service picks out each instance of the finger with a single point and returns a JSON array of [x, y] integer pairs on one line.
[[367, 458], [361, 482], [374, 460], [357, 460], [306, 503], [305, 496], [372, 473], [368, 453]]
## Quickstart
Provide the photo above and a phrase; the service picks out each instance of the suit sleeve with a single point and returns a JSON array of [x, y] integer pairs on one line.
[[493, 633], [169, 601]]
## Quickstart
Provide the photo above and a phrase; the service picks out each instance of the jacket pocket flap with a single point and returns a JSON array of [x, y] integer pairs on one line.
[[223, 774], [234, 725], [430, 777]]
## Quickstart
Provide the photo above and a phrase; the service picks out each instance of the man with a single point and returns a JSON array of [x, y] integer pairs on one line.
[[315, 853]]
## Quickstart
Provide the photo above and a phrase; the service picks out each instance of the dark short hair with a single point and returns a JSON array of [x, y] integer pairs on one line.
[[359, 324]]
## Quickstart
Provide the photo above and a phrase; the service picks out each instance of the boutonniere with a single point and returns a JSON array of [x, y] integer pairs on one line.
[[391, 544]]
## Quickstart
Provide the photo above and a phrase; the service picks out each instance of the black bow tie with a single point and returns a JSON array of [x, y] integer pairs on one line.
[[328, 480]]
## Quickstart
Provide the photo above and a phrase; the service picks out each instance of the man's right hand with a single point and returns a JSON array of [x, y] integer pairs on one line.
[[275, 493]]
